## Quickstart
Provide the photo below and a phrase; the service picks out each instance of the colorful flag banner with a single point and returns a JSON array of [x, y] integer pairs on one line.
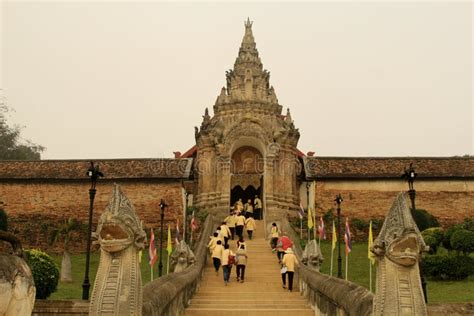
[[322, 229], [177, 236], [310, 219], [347, 237], [152, 256], [301, 211], [371, 255], [333, 246], [348, 242], [194, 224], [169, 249]]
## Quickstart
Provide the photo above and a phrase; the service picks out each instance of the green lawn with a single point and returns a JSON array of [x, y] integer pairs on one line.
[[74, 290], [438, 291], [358, 272]]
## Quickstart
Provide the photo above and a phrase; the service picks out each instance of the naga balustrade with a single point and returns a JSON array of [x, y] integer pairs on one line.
[[328, 295], [170, 294]]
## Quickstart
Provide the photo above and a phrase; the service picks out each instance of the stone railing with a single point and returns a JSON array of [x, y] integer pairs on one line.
[[170, 294], [329, 295]]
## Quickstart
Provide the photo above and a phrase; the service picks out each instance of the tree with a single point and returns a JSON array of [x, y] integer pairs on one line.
[[64, 232], [12, 147]]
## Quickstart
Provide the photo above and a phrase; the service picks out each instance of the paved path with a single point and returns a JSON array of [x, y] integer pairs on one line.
[[261, 294]]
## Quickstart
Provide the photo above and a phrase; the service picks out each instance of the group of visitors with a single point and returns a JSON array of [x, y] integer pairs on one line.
[[281, 245], [220, 251], [223, 256], [249, 209]]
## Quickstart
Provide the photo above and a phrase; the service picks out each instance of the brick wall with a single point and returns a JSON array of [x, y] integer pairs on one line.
[[449, 201], [33, 208]]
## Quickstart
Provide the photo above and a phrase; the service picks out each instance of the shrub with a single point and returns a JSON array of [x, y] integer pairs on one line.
[[447, 235], [360, 224], [433, 237], [468, 224], [462, 240], [423, 219], [45, 272], [377, 223], [3, 220], [448, 267], [329, 216]]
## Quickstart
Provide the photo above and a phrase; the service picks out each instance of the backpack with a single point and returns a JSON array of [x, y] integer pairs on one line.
[[231, 260]]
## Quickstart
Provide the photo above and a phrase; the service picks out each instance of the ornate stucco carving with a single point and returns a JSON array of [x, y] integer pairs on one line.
[[117, 287], [398, 249], [182, 257], [312, 255]]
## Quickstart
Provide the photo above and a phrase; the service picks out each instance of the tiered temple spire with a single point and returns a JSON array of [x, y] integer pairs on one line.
[[248, 81]]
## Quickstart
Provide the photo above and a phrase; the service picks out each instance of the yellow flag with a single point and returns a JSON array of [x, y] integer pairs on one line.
[[371, 242], [169, 247], [334, 236], [310, 218], [140, 254]]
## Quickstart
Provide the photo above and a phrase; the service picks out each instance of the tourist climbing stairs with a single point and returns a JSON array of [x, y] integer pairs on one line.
[[261, 293]]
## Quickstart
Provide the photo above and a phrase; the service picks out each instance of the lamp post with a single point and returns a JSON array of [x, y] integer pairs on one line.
[[163, 205], [93, 173], [338, 201], [410, 176]]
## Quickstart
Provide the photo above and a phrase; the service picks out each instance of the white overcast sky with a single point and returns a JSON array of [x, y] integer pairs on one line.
[[131, 79]]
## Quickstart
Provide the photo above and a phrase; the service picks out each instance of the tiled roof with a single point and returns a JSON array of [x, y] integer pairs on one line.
[[388, 167], [112, 169]]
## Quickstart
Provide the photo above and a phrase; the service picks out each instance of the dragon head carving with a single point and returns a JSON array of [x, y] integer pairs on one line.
[[399, 239], [312, 255], [119, 226]]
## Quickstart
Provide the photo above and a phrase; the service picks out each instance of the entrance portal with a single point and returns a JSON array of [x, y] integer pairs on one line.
[[249, 193]]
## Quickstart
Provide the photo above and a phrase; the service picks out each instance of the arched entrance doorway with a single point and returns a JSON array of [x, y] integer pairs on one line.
[[247, 166]]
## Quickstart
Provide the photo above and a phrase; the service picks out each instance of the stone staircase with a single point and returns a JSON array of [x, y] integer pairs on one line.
[[261, 294]]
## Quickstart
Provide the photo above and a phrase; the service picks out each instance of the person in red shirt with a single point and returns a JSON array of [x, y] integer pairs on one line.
[[283, 244]]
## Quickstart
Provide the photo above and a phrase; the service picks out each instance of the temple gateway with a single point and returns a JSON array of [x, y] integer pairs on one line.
[[247, 148]]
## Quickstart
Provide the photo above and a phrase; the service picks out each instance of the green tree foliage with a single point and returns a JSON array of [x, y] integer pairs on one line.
[[448, 233], [433, 237], [45, 272], [12, 147], [462, 240], [448, 267], [423, 219]]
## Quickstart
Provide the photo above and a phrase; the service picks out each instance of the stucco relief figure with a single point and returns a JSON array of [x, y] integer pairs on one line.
[[398, 249], [118, 286], [312, 255], [17, 288], [182, 257]]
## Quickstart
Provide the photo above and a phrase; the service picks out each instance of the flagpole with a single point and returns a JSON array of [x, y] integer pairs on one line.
[[301, 227], [370, 276], [151, 274], [347, 261], [314, 227], [332, 257], [168, 264]]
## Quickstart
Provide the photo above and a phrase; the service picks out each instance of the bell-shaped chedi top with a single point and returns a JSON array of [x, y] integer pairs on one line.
[[248, 81]]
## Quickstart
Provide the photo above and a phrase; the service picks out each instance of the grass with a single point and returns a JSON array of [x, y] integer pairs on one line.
[[73, 290], [358, 272]]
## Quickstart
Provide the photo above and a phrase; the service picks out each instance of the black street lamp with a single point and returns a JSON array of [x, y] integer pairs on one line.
[[93, 173], [410, 176], [338, 201], [163, 205]]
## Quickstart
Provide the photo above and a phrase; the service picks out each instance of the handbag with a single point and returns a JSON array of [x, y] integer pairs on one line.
[[231, 260], [284, 269]]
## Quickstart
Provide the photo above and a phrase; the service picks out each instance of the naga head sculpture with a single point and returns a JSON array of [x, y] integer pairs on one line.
[[312, 255], [182, 256], [399, 239], [119, 226]]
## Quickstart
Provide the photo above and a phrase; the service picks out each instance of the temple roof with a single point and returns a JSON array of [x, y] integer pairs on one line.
[[112, 168], [387, 167]]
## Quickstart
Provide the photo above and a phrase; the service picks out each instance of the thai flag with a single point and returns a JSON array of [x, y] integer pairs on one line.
[[194, 224], [176, 239], [347, 238], [301, 211], [322, 229], [152, 250]]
